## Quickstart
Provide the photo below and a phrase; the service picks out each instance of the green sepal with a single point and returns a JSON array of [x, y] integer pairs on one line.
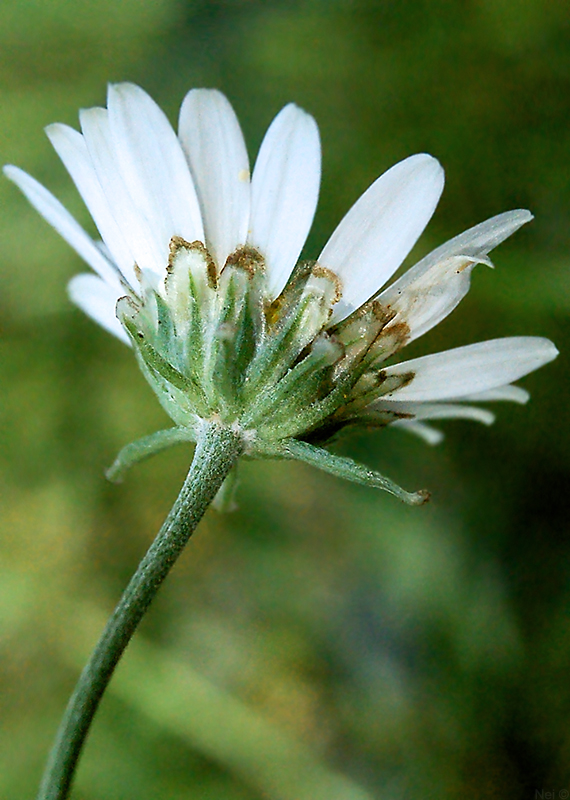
[[295, 328], [357, 334], [344, 467], [156, 363], [144, 448], [370, 387], [229, 338], [280, 404], [311, 416], [370, 336], [190, 294], [166, 340]]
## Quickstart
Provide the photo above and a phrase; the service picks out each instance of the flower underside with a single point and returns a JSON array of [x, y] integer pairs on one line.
[[214, 348], [198, 267]]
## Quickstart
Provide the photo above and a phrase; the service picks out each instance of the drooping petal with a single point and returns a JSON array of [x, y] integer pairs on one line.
[[54, 212], [142, 240], [153, 166], [381, 228], [430, 290], [421, 411], [476, 368], [214, 146], [97, 299], [430, 435], [284, 192], [72, 149], [513, 394]]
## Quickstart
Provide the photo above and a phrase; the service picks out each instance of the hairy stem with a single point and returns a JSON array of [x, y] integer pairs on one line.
[[216, 453]]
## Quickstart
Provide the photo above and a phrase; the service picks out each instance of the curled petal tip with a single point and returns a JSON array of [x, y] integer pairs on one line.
[[420, 498], [555, 352]]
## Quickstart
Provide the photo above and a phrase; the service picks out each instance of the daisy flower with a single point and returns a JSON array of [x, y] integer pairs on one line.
[[198, 270]]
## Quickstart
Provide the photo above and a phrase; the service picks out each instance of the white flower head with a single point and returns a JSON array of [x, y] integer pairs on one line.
[[198, 268]]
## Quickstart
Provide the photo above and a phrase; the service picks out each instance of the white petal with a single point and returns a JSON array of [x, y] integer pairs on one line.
[[430, 290], [214, 146], [57, 216], [153, 166], [514, 394], [72, 149], [430, 435], [284, 192], [381, 228], [142, 240], [468, 370], [98, 300], [478, 241], [421, 411]]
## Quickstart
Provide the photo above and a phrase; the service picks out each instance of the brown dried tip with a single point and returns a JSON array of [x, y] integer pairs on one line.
[[322, 272], [246, 258], [177, 243]]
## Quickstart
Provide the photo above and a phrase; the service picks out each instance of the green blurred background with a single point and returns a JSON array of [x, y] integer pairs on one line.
[[323, 642]]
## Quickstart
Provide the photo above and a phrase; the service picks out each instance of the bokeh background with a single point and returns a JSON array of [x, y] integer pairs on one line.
[[323, 642]]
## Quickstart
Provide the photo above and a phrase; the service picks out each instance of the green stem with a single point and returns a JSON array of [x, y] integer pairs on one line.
[[216, 453]]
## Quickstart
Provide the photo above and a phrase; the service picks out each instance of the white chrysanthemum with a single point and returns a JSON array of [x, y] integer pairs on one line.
[[196, 246]]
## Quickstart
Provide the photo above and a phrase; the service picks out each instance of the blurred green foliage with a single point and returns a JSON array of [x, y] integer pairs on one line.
[[322, 642]]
